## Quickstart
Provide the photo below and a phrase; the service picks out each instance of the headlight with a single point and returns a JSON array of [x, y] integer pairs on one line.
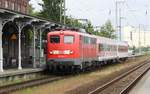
[[55, 52], [68, 52]]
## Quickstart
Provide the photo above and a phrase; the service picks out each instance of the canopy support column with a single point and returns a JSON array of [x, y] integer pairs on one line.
[[1, 48], [19, 46], [34, 51]]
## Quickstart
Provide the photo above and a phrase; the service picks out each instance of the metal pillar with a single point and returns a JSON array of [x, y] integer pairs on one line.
[[40, 45], [116, 3], [60, 19], [34, 54], [120, 26], [1, 49], [139, 39], [19, 57], [64, 11]]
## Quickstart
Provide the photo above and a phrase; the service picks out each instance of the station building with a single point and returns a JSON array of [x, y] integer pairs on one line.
[[22, 36], [16, 5], [136, 37]]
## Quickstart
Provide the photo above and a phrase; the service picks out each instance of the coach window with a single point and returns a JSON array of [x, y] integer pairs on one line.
[[93, 41], [87, 40], [68, 39], [54, 39]]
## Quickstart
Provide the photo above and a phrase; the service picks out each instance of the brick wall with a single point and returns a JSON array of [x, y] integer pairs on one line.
[[16, 5]]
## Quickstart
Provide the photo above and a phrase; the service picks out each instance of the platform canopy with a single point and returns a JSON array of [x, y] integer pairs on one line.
[[21, 20]]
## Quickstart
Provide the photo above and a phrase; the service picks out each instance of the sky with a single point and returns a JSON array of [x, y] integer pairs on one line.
[[133, 12]]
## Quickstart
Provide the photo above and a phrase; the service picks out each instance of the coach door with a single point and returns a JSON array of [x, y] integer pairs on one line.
[[81, 48]]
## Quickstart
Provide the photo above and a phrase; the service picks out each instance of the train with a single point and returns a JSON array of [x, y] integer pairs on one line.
[[71, 49]]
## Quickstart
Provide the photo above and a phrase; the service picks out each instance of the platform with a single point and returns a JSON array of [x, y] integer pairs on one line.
[[143, 86], [13, 72]]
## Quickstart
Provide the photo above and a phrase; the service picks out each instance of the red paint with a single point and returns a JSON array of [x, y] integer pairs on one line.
[[82, 50]]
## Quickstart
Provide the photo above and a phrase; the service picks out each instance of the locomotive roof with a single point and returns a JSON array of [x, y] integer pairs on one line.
[[102, 39]]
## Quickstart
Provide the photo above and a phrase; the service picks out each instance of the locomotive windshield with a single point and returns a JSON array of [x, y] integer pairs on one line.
[[55, 39], [68, 39]]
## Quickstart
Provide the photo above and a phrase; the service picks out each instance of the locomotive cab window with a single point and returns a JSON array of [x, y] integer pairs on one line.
[[68, 39], [55, 39]]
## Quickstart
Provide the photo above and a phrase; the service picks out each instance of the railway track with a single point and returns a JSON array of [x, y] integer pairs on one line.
[[14, 87], [111, 86], [133, 83]]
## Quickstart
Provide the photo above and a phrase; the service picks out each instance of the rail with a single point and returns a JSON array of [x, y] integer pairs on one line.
[[103, 87], [133, 83], [13, 87]]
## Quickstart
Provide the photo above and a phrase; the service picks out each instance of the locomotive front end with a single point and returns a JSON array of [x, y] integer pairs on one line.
[[62, 49]]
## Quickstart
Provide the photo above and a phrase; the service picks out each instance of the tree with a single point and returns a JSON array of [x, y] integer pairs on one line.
[[107, 30], [89, 28], [51, 9], [30, 9], [32, 12]]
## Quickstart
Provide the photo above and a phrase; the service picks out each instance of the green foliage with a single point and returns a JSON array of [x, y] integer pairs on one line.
[[107, 30], [51, 9], [74, 22], [29, 33], [90, 28], [29, 36], [136, 50], [30, 10]]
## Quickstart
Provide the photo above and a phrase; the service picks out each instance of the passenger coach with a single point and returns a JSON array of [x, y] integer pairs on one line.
[[73, 49]]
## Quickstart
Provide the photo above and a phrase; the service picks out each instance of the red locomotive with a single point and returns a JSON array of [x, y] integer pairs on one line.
[[73, 49]]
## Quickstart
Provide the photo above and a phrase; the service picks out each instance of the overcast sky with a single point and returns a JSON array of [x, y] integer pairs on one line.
[[134, 12]]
